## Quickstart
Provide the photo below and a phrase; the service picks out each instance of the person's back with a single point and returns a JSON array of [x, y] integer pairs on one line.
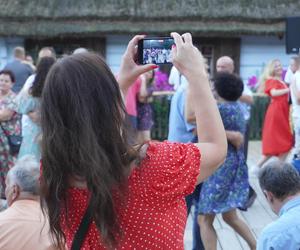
[[135, 195], [179, 129], [281, 233], [21, 70], [23, 225], [228, 187], [280, 183]]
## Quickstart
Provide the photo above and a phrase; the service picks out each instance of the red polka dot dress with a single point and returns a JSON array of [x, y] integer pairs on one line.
[[154, 214]]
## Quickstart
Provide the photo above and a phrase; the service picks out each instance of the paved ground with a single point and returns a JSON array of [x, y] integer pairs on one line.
[[257, 217]]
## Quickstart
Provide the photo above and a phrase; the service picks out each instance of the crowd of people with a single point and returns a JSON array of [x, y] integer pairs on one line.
[[87, 175], [157, 55]]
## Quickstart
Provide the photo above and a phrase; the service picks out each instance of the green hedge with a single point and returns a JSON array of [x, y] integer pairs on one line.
[[161, 109], [258, 111]]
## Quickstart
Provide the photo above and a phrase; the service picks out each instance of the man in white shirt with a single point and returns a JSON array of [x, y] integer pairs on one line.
[[293, 67], [176, 79], [295, 96]]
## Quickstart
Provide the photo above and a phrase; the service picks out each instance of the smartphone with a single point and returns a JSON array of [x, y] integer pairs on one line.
[[155, 50]]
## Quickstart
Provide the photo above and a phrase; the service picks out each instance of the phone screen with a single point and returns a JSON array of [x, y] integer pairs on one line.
[[155, 50]]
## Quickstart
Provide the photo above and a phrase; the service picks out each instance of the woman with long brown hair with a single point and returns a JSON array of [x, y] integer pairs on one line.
[[134, 196]]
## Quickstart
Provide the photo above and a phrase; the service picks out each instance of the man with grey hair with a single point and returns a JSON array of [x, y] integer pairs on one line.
[[22, 224], [280, 183]]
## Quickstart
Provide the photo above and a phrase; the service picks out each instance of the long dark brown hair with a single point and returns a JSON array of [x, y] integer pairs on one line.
[[83, 135], [43, 67]]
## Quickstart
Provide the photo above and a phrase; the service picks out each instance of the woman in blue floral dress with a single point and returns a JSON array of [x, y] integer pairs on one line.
[[227, 189], [10, 124]]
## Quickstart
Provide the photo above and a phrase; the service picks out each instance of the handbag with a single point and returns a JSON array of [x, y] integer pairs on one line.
[[82, 230], [14, 142]]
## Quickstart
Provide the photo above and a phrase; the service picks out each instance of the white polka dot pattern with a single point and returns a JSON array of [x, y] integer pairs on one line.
[[154, 214]]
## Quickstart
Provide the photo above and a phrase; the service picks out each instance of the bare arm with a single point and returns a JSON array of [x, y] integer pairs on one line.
[[143, 93], [6, 114], [246, 99], [34, 116], [189, 112], [234, 137], [213, 144], [279, 92]]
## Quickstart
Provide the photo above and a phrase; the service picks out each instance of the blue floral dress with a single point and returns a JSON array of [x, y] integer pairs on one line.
[[228, 187], [31, 130]]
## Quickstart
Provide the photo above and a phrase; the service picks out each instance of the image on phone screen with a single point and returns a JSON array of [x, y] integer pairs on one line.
[[156, 50]]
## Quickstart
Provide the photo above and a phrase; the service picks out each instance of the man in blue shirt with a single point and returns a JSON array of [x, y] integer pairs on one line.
[[20, 69], [179, 129], [280, 182]]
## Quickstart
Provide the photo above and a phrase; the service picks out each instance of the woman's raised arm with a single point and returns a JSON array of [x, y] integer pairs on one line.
[[130, 70], [213, 144]]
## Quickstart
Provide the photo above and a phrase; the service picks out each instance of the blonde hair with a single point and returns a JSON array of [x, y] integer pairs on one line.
[[268, 72]]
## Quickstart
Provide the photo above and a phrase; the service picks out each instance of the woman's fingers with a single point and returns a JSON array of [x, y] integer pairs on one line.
[[187, 37], [131, 48], [141, 69], [177, 39]]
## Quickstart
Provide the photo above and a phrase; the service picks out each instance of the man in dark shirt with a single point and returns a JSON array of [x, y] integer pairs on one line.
[[21, 70]]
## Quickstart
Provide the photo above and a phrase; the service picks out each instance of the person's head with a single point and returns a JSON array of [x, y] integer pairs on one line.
[[22, 181], [19, 53], [294, 63], [46, 52], [225, 64], [7, 80], [29, 59], [82, 120], [272, 70], [228, 86], [79, 50], [43, 67], [279, 181]]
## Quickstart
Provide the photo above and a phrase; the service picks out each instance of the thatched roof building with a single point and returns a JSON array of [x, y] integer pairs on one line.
[[52, 18]]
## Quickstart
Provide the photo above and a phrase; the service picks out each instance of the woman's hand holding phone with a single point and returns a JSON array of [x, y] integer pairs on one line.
[[186, 57], [129, 69]]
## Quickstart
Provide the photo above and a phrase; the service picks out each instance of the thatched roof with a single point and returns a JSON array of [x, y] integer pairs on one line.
[[49, 18]]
